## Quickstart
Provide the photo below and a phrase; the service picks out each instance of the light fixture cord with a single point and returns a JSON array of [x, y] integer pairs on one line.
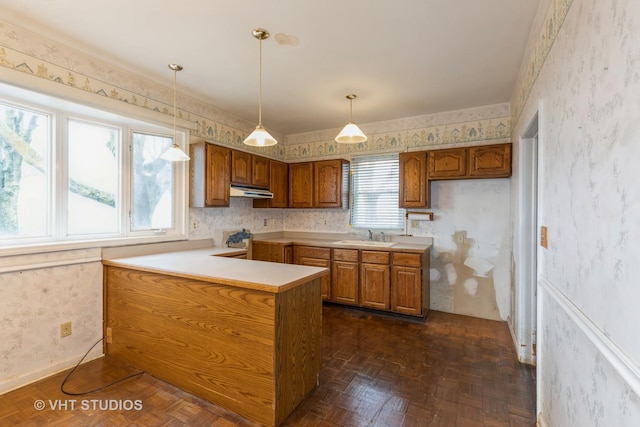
[[260, 87], [350, 109], [175, 80]]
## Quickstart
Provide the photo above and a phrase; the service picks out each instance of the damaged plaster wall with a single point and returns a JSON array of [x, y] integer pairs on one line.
[[470, 261]]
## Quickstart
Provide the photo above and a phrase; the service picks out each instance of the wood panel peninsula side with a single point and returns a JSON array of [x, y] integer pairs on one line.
[[244, 335]]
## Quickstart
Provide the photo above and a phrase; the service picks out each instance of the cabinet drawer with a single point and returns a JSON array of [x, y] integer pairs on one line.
[[313, 252], [410, 260], [375, 257], [345, 255]]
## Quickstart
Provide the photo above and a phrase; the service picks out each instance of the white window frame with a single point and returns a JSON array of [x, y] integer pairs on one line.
[[60, 112]]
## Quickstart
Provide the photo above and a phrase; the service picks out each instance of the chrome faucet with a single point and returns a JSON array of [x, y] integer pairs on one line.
[[370, 235]]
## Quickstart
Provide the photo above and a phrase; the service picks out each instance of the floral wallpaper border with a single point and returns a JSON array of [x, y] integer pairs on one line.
[[539, 49], [450, 134], [205, 128]]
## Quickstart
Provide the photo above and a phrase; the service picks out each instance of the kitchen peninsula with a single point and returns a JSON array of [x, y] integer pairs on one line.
[[244, 335]]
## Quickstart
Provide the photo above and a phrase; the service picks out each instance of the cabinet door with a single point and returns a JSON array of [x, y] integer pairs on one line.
[[448, 164], [413, 180], [406, 290], [491, 161], [374, 286], [301, 185], [260, 171], [217, 175], [344, 282], [241, 167], [325, 285], [279, 176], [327, 181]]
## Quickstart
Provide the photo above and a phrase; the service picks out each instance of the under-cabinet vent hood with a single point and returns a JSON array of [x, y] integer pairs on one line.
[[254, 193]]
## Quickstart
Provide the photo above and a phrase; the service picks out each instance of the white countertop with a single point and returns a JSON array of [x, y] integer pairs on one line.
[[203, 264]]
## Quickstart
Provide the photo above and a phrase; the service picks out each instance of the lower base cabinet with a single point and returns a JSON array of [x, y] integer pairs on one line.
[[382, 280], [374, 280], [344, 277], [315, 257]]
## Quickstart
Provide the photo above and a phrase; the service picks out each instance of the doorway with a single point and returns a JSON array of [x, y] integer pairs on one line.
[[527, 280]]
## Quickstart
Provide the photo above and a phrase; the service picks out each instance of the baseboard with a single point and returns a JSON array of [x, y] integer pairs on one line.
[[527, 359], [625, 367], [32, 377]]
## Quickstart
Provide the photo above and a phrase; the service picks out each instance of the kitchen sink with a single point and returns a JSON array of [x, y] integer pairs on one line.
[[365, 243]]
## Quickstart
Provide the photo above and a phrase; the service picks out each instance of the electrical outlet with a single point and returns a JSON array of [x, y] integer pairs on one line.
[[264, 222], [543, 236], [65, 329], [415, 223]]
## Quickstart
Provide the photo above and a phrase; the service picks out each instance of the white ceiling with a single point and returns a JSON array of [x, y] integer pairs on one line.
[[402, 58]]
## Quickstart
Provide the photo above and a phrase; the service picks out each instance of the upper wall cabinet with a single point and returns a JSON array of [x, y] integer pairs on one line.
[[486, 161], [323, 184], [210, 168], [329, 179], [490, 161], [249, 169], [278, 185], [414, 191], [448, 164], [301, 185]]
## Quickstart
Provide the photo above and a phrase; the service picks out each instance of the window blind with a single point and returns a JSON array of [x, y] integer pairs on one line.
[[374, 192]]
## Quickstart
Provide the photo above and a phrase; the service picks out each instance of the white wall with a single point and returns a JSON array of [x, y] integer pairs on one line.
[[588, 86]]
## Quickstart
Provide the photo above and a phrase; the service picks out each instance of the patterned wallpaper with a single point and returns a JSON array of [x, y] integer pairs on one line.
[[582, 76]]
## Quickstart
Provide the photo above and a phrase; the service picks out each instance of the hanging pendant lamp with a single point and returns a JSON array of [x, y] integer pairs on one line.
[[260, 137], [175, 153], [351, 133]]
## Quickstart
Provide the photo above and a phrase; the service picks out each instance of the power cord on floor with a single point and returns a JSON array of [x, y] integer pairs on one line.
[[70, 393]]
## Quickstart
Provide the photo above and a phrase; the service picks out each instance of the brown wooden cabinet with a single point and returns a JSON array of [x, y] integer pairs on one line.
[[448, 164], [210, 169], [414, 191], [249, 169], [409, 283], [260, 172], [272, 252], [278, 185], [375, 280], [301, 185], [484, 161], [344, 276], [315, 257], [490, 161], [240, 167], [329, 177]]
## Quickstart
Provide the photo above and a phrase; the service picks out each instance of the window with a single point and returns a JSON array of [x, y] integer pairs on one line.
[[374, 192], [72, 173]]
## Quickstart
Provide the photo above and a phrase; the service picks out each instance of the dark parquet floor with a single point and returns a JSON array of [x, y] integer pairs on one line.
[[377, 371]]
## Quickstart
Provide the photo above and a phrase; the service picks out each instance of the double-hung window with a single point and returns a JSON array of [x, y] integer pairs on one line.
[[374, 192], [71, 173]]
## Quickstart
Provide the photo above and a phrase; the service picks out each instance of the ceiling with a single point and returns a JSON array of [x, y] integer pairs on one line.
[[402, 58]]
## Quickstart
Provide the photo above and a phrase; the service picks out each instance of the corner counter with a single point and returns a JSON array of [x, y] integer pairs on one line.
[[242, 334]]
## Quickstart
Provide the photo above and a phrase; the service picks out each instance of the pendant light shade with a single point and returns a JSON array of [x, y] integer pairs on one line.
[[260, 137], [351, 133], [175, 153]]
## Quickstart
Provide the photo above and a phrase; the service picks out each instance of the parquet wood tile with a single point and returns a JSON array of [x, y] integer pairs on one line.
[[450, 371]]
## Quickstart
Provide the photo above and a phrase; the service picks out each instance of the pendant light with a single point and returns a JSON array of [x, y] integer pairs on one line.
[[260, 137], [175, 153], [351, 133]]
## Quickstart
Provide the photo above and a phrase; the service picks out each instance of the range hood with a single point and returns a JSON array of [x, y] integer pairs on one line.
[[254, 193]]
